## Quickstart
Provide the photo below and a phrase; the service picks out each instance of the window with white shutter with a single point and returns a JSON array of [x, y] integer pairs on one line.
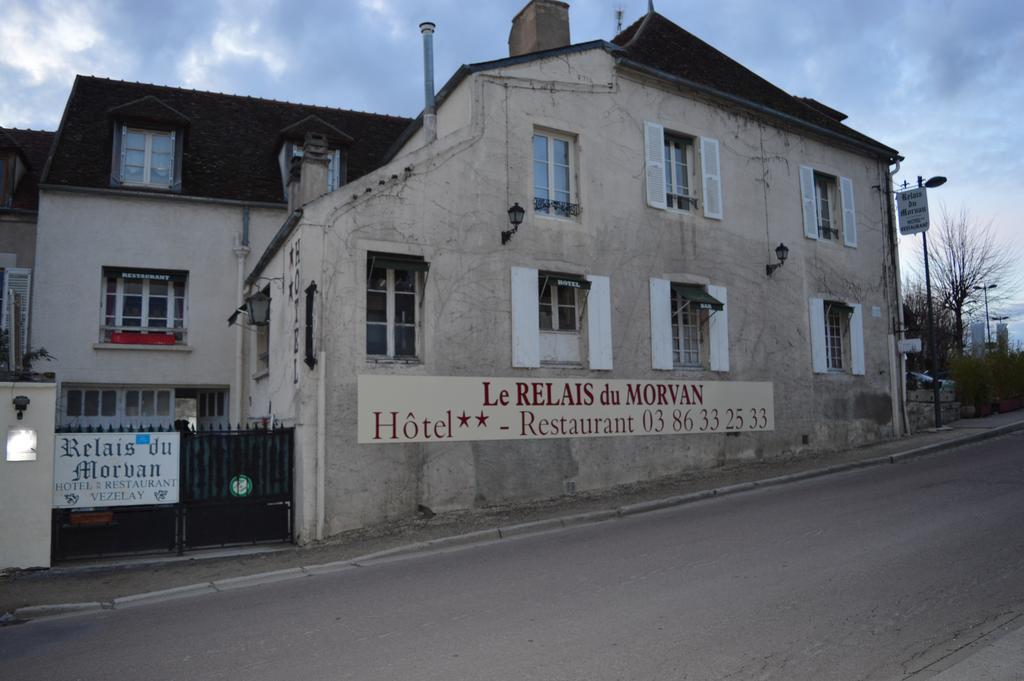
[[17, 295], [689, 326], [837, 336], [828, 206], [672, 178]]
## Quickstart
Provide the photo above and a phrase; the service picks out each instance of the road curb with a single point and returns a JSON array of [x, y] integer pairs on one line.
[[258, 579], [498, 533], [31, 612], [149, 597]]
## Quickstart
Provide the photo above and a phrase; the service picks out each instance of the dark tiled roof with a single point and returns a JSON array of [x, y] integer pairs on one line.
[[657, 43], [231, 142], [34, 145]]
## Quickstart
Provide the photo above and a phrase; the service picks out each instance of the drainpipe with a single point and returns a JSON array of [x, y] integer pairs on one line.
[[429, 115], [241, 253], [321, 444]]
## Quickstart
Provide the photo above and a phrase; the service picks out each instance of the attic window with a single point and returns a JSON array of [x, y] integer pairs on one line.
[[147, 158]]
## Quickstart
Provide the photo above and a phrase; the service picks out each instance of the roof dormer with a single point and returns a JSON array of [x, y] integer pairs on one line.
[[292, 138], [147, 145]]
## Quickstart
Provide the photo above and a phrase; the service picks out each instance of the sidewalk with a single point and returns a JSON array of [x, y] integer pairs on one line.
[[115, 583]]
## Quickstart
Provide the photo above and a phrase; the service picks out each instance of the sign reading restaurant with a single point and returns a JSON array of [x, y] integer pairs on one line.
[[396, 409], [115, 469]]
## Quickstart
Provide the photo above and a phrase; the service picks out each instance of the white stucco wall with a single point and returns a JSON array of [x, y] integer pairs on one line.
[[26, 487], [450, 209], [81, 233]]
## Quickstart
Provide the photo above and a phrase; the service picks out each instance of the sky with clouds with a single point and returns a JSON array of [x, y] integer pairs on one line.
[[939, 80]]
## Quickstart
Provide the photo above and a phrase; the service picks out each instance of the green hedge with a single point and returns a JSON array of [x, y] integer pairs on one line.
[[995, 376]]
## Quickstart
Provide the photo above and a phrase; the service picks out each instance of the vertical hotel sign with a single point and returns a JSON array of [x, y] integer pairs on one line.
[[115, 469], [396, 409]]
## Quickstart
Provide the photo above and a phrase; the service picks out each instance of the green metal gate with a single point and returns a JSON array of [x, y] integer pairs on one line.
[[236, 487]]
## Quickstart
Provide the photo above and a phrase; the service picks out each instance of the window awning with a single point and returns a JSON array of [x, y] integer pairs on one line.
[[838, 307], [159, 275], [399, 264], [700, 297], [565, 280]]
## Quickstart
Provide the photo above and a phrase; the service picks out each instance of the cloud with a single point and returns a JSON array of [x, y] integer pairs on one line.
[[385, 11], [51, 40], [235, 41]]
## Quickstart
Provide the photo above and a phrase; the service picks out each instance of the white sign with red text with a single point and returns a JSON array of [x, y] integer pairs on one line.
[[396, 409]]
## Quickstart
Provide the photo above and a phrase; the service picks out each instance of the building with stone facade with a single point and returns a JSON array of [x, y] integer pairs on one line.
[[657, 178]]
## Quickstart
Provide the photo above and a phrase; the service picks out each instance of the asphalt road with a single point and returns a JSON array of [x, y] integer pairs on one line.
[[885, 573]]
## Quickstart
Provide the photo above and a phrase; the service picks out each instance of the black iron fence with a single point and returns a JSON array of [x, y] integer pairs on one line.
[[235, 487]]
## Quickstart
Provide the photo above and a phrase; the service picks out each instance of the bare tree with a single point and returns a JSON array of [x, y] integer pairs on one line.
[[915, 324], [965, 254]]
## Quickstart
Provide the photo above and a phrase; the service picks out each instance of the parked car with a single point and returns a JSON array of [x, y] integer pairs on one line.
[[919, 381]]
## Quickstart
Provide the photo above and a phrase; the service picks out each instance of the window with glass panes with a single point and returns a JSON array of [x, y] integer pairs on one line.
[[147, 157], [824, 201], [558, 306], [113, 405], [835, 321], [678, 166], [90, 402], [147, 403], [552, 175], [391, 306], [686, 318], [144, 303]]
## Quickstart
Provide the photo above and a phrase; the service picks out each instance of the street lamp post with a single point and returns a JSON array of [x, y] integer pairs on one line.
[[988, 326], [931, 183]]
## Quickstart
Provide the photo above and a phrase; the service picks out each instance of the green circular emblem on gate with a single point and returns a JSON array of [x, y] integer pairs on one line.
[[240, 486]]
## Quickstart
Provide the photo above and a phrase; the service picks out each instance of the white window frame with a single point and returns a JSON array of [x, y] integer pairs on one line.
[[106, 329], [825, 340], [705, 174], [549, 173], [124, 397], [826, 189], [841, 209], [837, 333], [555, 305], [147, 164], [685, 146], [697, 325], [391, 323]]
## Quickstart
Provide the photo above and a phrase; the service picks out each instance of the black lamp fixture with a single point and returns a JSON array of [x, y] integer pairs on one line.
[[515, 217], [257, 307], [781, 252], [21, 403]]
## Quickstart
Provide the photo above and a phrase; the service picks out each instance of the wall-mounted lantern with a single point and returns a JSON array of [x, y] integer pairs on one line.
[[515, 217], [20, 405], [781, 252], [257, 307]]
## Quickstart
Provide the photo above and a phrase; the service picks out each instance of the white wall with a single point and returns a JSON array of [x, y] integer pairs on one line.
[[450, 209], [81, 233], [26, 487]]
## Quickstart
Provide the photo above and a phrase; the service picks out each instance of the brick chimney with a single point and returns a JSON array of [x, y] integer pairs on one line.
[[541, 25], [307, 176]]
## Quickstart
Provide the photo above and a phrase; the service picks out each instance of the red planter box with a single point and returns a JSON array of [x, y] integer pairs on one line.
[[136, 338], [1004, 406], [984, 410]]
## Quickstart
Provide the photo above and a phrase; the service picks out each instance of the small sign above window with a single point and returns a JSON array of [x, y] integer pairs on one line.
[[700, 297]]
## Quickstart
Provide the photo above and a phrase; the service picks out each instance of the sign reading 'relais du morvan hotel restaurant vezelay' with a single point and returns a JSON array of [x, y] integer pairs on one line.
[[428, 351]]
